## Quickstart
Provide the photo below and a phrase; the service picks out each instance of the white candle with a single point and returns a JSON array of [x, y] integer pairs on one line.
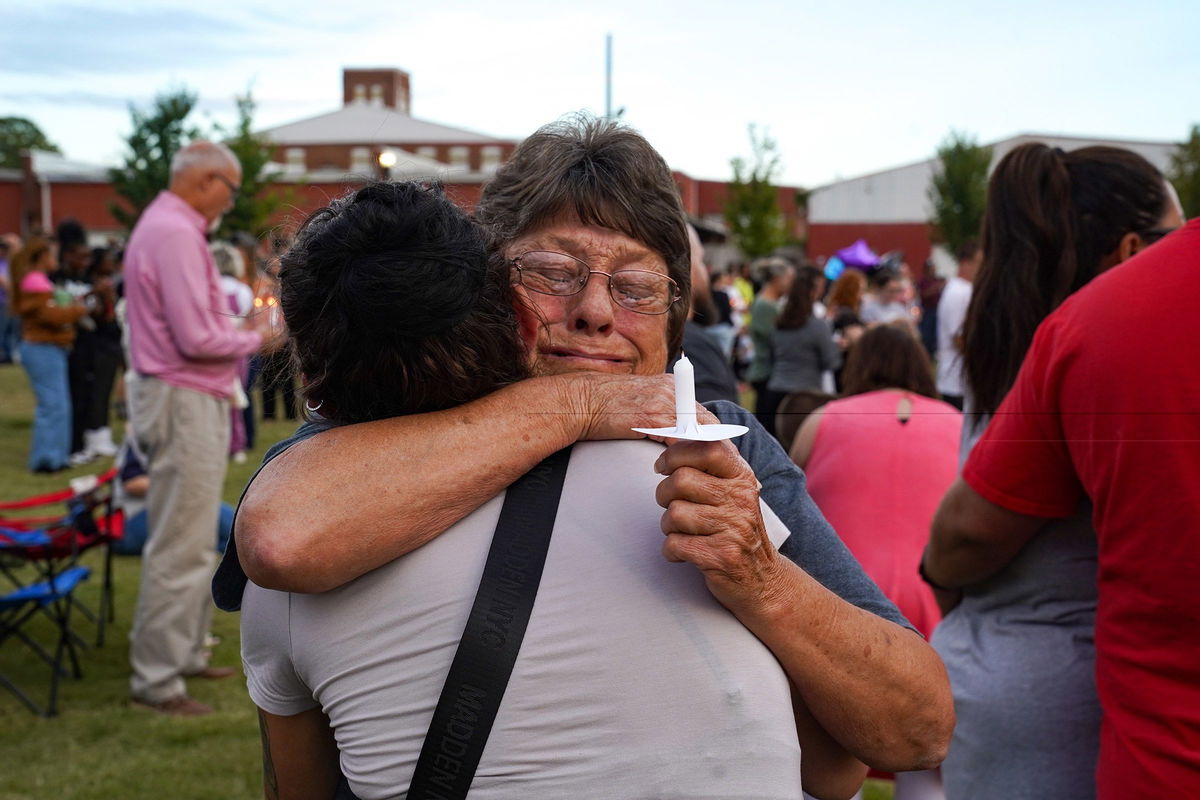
[[685, 394]]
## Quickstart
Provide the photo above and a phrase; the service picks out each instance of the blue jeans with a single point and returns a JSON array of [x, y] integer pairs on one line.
[[46, 365], [137, 530], [8, 333]]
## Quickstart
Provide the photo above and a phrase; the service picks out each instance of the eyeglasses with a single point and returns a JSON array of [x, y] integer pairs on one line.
[[234, 189], [561, 275]]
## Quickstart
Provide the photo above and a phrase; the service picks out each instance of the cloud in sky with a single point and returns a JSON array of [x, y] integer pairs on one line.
[[844, 88], [50, 39]]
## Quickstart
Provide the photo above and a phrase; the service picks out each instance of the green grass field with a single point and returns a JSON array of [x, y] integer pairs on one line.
[[100, 748]]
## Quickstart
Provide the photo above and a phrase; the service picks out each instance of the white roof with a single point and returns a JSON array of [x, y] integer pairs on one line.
[[900, 195], [54, 167], [408, 167], [361, 123]]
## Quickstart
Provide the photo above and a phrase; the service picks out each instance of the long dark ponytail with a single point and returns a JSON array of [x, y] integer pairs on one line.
[[1051, 219]]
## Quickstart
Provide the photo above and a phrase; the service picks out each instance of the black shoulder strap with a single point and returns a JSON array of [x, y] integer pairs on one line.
[[481, 668], [492, 638]]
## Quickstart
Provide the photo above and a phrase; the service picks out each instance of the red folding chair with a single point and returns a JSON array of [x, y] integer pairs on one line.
[[89, 521]]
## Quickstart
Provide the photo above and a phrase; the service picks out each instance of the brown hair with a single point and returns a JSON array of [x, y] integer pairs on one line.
[[21, 265], [798, 308], [606, 175], [847, 290], [1051, 219], [888, 357]]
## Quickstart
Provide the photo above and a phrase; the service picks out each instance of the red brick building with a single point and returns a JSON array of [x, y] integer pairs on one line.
[[324, 156]]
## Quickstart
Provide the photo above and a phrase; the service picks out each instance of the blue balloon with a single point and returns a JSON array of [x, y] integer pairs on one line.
[[833, 268]]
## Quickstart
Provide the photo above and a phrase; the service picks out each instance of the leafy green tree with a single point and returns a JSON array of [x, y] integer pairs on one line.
[[1184, 173], [257, 201], [752, 210], [17, 134], [157, 134], [958, 190]]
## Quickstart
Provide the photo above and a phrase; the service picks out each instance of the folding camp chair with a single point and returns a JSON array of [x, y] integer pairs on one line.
[[52, 597], [89, 522]]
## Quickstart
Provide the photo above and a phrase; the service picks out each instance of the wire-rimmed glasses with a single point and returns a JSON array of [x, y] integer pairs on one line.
[[561, 275]]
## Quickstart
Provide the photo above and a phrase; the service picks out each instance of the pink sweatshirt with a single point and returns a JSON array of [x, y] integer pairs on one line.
[[180, 330]]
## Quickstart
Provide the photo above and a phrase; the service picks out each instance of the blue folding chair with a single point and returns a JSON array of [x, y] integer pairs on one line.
[[51, 597]]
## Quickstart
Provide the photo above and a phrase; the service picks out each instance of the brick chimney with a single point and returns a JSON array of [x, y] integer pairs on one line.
[[387, 88]]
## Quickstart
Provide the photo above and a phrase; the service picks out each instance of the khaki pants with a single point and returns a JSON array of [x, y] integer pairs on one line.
[[184, 436]]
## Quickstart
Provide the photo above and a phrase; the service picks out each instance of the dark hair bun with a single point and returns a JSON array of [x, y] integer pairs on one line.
[[393, 306], [427, 292]]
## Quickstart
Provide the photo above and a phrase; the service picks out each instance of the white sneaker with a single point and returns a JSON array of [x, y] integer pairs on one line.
[[239, 457], [99, 443], [80, 458]]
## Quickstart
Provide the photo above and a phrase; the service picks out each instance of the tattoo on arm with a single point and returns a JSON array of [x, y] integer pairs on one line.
[[270, 780]]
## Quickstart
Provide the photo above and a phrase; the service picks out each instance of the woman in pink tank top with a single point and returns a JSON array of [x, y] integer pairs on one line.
[[879, 461]]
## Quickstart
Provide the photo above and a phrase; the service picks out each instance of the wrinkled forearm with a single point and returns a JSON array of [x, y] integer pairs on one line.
[[878, 689], [356, 497]]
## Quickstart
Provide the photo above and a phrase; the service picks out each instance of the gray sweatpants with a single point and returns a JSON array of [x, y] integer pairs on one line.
[[184, 436]]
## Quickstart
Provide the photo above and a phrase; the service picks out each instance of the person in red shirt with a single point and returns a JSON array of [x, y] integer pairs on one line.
[[1107, 406]]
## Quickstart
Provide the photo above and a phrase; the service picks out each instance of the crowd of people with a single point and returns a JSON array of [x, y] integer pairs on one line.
[[62, 318], [955, 544]]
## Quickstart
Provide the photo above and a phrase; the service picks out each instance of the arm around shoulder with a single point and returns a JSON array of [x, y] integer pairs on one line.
[[358, 496]]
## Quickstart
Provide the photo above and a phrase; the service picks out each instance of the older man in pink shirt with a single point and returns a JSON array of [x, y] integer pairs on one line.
[[184, 349]]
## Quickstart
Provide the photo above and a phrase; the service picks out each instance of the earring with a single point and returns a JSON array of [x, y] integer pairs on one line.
[[311, 408]]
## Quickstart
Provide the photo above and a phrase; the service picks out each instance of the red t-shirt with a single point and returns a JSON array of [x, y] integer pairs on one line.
[[1107, 403]]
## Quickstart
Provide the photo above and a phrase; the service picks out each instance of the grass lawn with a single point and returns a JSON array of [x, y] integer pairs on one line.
[[99, 747]]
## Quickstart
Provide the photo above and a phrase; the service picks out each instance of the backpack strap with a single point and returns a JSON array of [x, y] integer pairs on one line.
[[492, 638], [491, 641]]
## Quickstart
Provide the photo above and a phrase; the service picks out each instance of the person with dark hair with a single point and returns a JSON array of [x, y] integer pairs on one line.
[[714, 375], [777, 276], [8, 341], [878, 462], [951, 311], [885, 301], [1019, 645], [106, 355], [71, 277], [889, 433], [48, 320], [802, 346], [589, 221], [395, 308]]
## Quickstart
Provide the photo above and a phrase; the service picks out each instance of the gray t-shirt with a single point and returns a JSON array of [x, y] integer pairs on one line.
[[632, 681], [800, 355]]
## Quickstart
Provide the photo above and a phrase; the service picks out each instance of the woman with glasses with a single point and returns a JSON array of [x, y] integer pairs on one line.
[[632, 679], [579, 215], [1019, 645]]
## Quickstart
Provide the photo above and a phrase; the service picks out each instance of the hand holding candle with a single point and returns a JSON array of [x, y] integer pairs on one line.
[[686, 426]]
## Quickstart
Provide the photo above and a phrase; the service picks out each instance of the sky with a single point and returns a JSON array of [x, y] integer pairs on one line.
[[844, 88]]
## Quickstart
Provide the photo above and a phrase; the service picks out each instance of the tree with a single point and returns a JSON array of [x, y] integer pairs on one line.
[[17, 134], [255, 203], [752, 207], [1184, 173], [958, 190], [157, 135]]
